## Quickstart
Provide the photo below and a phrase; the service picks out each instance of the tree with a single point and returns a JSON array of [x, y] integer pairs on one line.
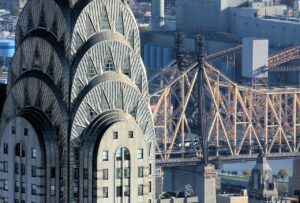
[[246, 172], [283, 173]]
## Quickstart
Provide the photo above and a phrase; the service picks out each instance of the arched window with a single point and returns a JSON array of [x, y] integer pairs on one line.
[[122, 154], [19, 150]]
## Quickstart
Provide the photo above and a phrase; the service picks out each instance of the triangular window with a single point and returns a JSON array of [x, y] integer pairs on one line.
[[36, 60], [92, 69], [90, 30], [109, 62], [120, 24], [126, 67], [131, 38], [104, 20], [54, 26]]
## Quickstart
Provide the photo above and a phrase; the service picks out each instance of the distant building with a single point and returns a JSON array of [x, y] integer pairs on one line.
[[239, 18], [262, 185], [12, 4]]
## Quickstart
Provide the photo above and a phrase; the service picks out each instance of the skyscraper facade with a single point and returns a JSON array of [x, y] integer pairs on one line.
[[76, 124]]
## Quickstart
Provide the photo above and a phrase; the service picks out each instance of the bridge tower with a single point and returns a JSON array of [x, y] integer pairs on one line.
[[207, 185]]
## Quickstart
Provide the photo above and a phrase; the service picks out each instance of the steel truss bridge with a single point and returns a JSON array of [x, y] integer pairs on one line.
[[242, 121]]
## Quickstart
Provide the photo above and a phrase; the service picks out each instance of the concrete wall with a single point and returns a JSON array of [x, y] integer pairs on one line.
[[255, 55]]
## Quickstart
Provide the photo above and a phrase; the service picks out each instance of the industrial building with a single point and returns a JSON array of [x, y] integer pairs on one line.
[[76, 125]]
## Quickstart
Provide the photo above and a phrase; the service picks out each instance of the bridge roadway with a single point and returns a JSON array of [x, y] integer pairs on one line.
[[222, 160]]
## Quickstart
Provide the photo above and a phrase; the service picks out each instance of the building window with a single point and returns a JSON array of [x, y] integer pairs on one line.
[[105, 192], [109, 62], [119, 154], [76, 173], [4, 166], [23, 186], [93, 114], [13, 130], [126, 190], [105, 174], [19, 150], [52, 190], [131, 38], [5, 187], [127, 173], [115, 135], [119, 174], [17, 168], [105, 21], [150, 169], [25, 131], [140, 171], [85, 191], [75, 191], [33, 171], [33, 153], [150, 186], [130, 134], [119, 191], [23, 169], [17, 186], [122, 154], [76, 152], [52, 172], [85, 173], [140, 190], [33, 189], [17, 201], [105, 155], [140, 154], [119, 24], [5, 148]]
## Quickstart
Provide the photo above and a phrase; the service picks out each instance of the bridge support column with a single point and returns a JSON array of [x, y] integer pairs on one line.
[[206, 188], [296, 178]]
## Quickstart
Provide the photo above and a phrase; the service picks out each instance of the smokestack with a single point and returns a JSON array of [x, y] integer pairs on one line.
[[158, 15]]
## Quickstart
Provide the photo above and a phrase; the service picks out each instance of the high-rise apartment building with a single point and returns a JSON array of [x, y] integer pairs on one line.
[[76, 124]]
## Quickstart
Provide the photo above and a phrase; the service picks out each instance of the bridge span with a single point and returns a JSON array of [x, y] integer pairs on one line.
[[242, 121]]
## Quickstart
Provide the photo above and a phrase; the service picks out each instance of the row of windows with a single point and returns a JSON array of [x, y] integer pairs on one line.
[[116, 135], [123, 156], [120, 191], [21, 169], [119, 173], [125, 190], [21, 187], [19, 151], [13, 131]]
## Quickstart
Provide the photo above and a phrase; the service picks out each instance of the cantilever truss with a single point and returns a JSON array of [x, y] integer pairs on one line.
[[241, 120]]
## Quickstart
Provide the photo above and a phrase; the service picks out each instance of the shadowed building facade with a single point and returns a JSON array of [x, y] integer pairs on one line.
[[76, 124]]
